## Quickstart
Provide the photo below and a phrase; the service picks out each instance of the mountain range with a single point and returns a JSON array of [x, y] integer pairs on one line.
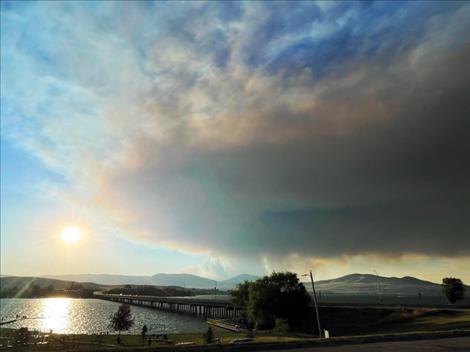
[[353, 284], [183, 280]]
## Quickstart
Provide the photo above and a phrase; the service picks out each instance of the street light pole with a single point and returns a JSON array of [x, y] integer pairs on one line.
[[315, 305]]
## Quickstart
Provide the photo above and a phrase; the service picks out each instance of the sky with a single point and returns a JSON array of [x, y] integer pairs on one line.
[[219, 138]]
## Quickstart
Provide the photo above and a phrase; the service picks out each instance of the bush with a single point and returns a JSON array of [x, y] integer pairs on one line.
[[280, 327], [22, 336], [208, 336]]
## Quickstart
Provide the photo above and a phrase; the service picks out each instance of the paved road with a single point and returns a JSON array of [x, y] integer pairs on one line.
[[460, 344]]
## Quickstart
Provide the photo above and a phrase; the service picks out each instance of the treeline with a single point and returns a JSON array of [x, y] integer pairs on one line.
[[161, 291], [75, 290]]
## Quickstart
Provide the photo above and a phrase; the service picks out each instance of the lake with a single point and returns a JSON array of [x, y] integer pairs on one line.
[[90, 316]]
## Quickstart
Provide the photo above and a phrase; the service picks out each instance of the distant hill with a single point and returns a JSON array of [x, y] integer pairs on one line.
[[353, 284], [10, 282], [105, 279], [182, 280], [234, 281], [368, 284], [36, 287]]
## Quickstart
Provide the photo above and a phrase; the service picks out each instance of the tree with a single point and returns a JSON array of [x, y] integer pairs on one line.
[[121, 320], [240, 295], [22, 336], [144, 331], [239, 298], [208, 335], [280, 327], [280, 295], [453, 289]]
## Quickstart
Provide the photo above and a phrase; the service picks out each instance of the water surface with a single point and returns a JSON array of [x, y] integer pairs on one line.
[[90, 316]]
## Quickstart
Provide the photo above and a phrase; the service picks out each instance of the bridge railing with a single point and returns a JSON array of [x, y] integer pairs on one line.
[[214, 308]]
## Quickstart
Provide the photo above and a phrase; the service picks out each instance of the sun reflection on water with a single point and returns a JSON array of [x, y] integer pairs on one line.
[[87, 316], [55, 314]]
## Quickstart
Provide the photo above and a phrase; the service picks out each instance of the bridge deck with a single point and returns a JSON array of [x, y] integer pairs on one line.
[[214, 308], [179, 300]]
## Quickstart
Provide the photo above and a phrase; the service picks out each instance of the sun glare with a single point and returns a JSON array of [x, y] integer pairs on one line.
[[55, 315], [71, 234]]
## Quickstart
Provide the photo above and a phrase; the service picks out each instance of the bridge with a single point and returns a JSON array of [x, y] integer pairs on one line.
[[203, 307]]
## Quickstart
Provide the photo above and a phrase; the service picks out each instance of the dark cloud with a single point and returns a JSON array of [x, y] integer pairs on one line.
[[371, 158], [381, 169], [398, 185], [310, 128]]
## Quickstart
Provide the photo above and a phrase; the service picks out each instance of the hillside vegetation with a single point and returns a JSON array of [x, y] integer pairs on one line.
[[37, 287], [367, 284]]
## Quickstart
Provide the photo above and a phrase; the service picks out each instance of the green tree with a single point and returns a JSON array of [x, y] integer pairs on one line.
[[281, 327], [453, 289], [239, 298], [280, 295], [121, 320], [208, 335], [144, 331]]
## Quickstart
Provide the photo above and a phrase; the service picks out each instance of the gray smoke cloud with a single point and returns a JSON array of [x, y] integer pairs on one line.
[[201, 138], [381, 168]]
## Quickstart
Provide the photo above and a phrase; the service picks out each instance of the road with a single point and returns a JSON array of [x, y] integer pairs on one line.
[[438, 345]]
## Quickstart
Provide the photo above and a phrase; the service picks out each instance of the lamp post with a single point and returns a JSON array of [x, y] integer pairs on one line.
[[315, 305], [215, 289]]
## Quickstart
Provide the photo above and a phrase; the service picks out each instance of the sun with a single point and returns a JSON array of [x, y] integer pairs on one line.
[[71, 234]]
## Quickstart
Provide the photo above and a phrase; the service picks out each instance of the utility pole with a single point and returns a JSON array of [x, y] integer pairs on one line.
[[378, 287], [316, 306]]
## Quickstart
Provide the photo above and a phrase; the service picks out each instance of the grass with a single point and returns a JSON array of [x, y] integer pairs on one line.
[[346, 323], [433, 320], [83, 342], [358, 321]]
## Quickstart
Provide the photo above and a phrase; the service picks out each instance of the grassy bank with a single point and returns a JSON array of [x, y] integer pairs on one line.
[[340, 322], [96, 342]]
